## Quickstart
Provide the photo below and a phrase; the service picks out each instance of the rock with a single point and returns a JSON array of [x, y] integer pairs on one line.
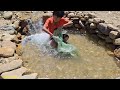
[[9, 44], [92, 31], [71, 15], [15, 74], [7, 36], [93, 26], [113, 34], [16, 40], [102, 36], [6, 52], [110, 26], [103, 28], [108, 39], [10, 66], [95, 37], [19, 50], [86, 17], [16, 24], [82, 19], [11, 32], [117, 52], [90, 20], [30, 76], [91, 15], [117, 41], [98, 20], [117, 78], [7, 15], [98, 31]]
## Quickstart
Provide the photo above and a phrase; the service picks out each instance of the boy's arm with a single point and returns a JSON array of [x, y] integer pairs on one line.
[[70, 23], [45, 27]]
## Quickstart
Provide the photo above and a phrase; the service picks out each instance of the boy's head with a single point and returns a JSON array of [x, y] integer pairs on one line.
[[65, 37], [57, 15]]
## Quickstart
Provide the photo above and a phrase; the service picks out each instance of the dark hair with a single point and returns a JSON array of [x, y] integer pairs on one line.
[[58, 13], [65, 35]]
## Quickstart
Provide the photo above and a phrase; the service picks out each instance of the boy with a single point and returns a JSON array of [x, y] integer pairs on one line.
[[55, 22]]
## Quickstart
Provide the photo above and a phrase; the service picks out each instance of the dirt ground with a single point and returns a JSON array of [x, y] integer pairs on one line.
[[112, 17]]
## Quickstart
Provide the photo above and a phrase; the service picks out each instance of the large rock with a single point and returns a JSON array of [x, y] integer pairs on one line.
[[10, 66], [16, 24], [6, 52], [110, 26], [91, 15], [19, 50], [90, 21], [7, 36], [98, 20], [9, 44], [108, 39], [113, 34], [15, 74], [7, 14], [117, 41], [30, 76], [103, 28]]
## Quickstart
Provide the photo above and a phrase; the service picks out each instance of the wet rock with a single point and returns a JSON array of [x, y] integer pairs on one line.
[[9, 44], [98, 31], [7, 14], [117, 41], [103, 28], [19, 50], [92, 31], [98, 20], [108, 39], [93, 26], [15, 74], [6, 52], [110, 26], [30, 76], [102, 36], [113, 34], [10, 66]]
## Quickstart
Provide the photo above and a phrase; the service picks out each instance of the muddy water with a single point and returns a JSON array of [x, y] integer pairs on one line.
[[93, 62]]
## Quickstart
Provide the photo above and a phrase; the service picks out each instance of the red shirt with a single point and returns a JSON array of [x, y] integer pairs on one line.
[[49, 24]]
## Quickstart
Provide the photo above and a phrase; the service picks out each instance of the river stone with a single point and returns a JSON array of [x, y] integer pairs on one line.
[[10, 66], [7, 36], [30, 76], [7, 14], [16, 24], [98, 20], [113, 34], [91, 15], [108, 39], [15, 74], [117, 41], [90, 21], [70, 15], [93, 26], [6, 52], [110, 26], [103, 28], [9, 44]]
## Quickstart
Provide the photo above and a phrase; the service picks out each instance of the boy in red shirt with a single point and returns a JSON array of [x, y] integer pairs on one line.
[[55, 22]]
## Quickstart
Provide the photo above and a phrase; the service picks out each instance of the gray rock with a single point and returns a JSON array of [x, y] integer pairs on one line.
[[10, 66], [7, 14], [98, 20], [113, 34], [91, 15], [90, 21], [103, 28], [110, 26], [7, 36], [117, 41], [30, 76], [6, 52], [70, 15], [15, 74], [93, 26]]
